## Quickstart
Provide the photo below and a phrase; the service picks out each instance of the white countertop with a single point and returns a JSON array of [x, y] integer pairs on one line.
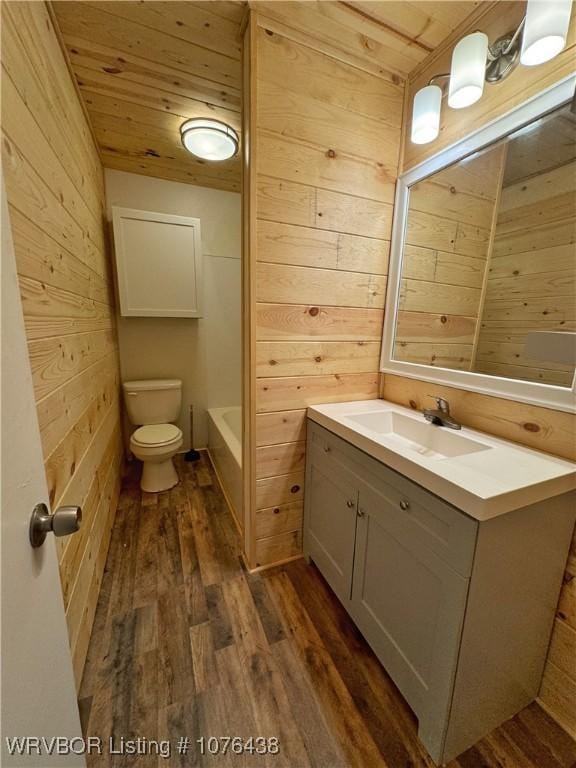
[[483, 484]]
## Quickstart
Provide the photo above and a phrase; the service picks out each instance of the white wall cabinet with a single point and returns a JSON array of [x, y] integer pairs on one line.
[[158, 263], [459, 612]]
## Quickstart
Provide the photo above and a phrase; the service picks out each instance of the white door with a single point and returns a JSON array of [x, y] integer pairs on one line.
[[38, 696]]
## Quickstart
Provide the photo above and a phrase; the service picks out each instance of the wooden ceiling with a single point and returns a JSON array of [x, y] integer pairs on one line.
[[144, 66]]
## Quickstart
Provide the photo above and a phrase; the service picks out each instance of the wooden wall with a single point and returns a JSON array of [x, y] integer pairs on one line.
[[540, 428], [532, 272], [55, 191], [447, 250], [325, 148]]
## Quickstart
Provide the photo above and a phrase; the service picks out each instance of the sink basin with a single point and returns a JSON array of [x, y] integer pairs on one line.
[[419, 436], [482, 475]]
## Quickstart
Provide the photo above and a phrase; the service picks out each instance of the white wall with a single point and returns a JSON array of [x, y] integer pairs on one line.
[[206, 352]]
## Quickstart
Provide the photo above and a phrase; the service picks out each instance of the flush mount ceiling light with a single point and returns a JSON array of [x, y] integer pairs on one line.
[[539, 37], [209, 139]]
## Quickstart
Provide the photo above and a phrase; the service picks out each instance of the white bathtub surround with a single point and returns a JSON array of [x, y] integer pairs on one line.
[[204, 353], [225, 448], [480, 474]]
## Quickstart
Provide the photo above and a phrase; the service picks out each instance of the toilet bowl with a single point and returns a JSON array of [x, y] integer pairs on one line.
[[156, 445], [154, 404]]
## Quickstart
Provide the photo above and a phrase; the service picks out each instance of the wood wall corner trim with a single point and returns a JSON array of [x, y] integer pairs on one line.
[[249, 161]]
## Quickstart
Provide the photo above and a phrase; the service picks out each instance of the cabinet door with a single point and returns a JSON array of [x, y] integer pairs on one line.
[[410, 605], [158, 263], [330, 522]]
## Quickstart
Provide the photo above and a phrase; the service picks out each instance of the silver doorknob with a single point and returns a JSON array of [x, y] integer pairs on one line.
[[63, 522]]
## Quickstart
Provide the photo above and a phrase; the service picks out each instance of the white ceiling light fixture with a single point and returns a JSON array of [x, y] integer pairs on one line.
[[539, 37], [545, 30], [468, 70], [209, 139]]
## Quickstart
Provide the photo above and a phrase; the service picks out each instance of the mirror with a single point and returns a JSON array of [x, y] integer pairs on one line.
[[487, 278]]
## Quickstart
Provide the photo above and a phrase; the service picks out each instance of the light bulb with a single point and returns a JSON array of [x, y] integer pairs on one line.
[[426, 114], [468, 70], [545, 30]]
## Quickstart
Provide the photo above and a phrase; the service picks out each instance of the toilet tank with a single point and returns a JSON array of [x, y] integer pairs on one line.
[[153, 401]]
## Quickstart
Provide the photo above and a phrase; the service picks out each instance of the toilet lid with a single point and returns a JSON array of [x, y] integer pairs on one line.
[[156, 434]]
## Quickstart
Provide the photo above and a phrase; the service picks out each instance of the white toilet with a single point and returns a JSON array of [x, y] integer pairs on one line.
[[154, 404]]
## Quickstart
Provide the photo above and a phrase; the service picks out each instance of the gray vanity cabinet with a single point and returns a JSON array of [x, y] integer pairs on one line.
[[331, 524], [433, 591], [409, 604]]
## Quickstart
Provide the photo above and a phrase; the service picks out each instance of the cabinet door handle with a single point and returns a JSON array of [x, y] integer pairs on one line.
[[350, 504], [326, 449], [404, 505], [360, 512]]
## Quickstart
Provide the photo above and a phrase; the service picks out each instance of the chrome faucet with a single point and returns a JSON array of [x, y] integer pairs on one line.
[[440, 415]]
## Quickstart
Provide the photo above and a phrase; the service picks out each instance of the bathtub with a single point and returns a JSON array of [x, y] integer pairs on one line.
[[225, 448]]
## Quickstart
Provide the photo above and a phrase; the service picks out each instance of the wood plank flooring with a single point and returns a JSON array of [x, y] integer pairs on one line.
[[186, 643]]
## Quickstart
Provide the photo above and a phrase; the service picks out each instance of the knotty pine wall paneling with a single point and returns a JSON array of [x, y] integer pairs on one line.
[[55, 192], [325, 147], [540, 428]]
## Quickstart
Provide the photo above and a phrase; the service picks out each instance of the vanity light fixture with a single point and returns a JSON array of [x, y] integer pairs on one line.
[[539, 37], [209, 139]]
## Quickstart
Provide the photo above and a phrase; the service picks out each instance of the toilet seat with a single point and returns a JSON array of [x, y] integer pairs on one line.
[[156, 434]]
